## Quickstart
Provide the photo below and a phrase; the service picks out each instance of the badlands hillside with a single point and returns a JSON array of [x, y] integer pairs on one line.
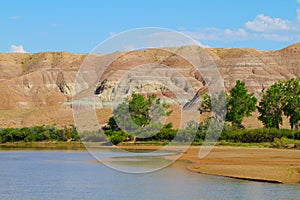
[[36, 89]]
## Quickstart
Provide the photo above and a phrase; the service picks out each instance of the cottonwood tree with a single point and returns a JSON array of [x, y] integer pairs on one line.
[[240, 104], [282, 97], [139, 116], [291, 101], [270, 106], [215, 105]]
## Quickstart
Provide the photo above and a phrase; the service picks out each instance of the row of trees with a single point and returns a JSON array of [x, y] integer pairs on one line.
[[38, 134], [140, 118], [282, 98], [239, 104]]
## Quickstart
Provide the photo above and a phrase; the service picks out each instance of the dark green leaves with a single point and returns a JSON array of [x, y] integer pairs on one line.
[[240, 104], [139, 116], [281, 97]]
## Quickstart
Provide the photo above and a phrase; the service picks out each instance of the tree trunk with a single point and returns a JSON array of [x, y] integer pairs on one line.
[[134, 139], [292, 122]]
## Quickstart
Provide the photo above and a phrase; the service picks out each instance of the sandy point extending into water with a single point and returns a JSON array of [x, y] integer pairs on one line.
[[260, 164]]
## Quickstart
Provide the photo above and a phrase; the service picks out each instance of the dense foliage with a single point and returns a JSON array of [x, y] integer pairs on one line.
[[138, 111], [258, 135], [240, 104], [281, 97], [276, 137], [138, 119], [270, 106], [235, 106], [38, 134], [291, 101]]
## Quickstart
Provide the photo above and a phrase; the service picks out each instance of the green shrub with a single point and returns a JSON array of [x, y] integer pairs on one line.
[[117, 137], [38, 133], [285, 143], [297, 135], [257, 135]]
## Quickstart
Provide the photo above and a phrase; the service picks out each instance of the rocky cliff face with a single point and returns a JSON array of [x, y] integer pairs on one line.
[[34, 87]]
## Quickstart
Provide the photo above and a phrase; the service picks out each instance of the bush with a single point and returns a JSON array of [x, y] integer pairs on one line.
[[285, 143], [297, 135], [257, 135], [38, 133], [117, 137]]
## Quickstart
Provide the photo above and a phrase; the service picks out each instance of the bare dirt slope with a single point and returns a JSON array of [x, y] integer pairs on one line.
[[34, 88]]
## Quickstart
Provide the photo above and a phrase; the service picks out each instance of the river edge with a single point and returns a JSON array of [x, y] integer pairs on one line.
[[248, 163], [255, 164]]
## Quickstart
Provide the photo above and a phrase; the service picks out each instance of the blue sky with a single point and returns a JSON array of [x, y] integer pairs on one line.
[[78, 26]]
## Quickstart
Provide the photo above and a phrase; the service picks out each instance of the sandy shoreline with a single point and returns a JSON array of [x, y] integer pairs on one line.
[[259, 164]]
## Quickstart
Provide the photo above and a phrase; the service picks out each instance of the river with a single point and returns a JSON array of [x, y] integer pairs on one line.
[[75, 175]]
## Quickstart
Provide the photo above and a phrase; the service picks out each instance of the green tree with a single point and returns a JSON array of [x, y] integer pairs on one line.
[[240, 104], [270, 106], [205, 104], [291, 101], [281, 97], [216, 105], [139, 115]]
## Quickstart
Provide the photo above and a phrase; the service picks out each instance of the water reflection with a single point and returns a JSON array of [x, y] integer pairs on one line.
[[140, 161], [72, 175]]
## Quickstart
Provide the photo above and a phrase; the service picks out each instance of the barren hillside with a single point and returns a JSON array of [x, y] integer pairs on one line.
[[34, 88]]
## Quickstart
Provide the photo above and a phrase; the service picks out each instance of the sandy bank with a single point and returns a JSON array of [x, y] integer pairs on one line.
[[260, 164]]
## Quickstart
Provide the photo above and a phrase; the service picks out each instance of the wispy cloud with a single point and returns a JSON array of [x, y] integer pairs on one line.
[[263, 23], [17, 49], [262, 27]]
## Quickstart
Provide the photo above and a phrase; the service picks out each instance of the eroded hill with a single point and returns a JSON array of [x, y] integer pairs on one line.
[[34, 88]]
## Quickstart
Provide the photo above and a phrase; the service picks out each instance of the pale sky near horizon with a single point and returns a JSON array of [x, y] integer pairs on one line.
[[79, 26]]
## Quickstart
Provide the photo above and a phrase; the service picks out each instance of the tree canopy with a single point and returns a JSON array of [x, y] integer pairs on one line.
[[139, 116], [291, 101], [270, 106], [240, 104], [282, 97]]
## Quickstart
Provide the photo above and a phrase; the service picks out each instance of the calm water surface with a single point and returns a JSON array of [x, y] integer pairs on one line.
[[74, 175]]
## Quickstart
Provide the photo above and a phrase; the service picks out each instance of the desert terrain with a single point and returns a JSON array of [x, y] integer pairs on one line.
[[36, 89]]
